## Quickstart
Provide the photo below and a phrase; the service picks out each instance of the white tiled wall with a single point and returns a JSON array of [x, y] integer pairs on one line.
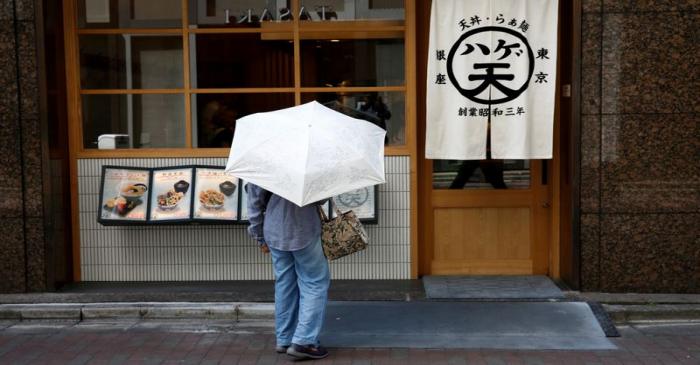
[[178, 253]]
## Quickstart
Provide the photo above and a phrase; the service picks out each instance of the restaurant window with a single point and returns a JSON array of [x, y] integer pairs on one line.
[[179, 73]]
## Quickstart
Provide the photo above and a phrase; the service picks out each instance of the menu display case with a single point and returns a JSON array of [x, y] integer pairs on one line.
[[194, 194]]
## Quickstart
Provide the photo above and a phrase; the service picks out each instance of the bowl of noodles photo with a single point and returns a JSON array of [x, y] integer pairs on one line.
[[132, 192], [211, 199]]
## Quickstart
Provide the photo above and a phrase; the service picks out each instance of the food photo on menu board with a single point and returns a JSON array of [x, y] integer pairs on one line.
[[363, 202], [124, 194], [216, 195], [171, 195]]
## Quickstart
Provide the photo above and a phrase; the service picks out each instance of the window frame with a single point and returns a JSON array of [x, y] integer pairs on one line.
[[360, 29]]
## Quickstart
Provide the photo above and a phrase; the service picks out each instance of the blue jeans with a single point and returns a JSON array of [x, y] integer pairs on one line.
[[301, 293]]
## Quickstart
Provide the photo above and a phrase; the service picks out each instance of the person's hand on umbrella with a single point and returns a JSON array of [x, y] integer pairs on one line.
[[264, 248]]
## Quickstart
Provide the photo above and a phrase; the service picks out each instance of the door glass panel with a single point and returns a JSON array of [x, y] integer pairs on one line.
[[385, 109], [129, 14], [126, 61], [349, 62], [214, 115], [133, 121], [339, 10], [242, 60], [481, 174]]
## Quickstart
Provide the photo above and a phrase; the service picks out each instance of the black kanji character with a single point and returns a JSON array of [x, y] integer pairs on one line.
[[472, 112], [463, 24], [463, 112], [441, 54], [542, 53], [521, 110], [475, 20], [509, 111], [441, 80], [541, 77]]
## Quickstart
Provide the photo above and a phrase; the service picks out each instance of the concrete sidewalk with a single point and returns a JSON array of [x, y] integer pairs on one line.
[[139, 342]]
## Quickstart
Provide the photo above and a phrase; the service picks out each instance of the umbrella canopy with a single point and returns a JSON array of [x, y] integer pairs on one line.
[[307, 153]]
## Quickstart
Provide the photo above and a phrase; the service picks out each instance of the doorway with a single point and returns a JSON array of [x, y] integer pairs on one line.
[[496, 217]]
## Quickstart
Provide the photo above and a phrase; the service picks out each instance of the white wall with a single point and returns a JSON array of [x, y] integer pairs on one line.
[[224, 252]]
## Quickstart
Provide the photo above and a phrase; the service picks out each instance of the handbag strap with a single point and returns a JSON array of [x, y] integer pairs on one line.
[[337, 211], [321, 214]]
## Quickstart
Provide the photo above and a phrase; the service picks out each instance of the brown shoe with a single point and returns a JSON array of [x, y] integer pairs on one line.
[[300, 352]]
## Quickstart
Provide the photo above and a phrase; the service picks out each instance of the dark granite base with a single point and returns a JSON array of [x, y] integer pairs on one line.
[[650, 253], [590, 252], [12, 265], [650, 163]]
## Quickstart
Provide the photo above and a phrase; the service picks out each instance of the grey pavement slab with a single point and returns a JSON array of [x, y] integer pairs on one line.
[[462, 325], [491, 287]]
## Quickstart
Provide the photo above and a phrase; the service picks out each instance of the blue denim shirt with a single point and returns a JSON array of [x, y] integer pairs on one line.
[[279, 223]]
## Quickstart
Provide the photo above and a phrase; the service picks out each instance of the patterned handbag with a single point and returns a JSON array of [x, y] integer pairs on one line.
[[341, 235]]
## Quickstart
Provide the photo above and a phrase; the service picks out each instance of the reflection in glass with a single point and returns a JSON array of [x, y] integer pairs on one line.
[[481, 174], [370, 62], [319, 10], [129, 14], [133, 121], [384, 109], [237, 13], [126, 61], [241, 60], [214, 115]]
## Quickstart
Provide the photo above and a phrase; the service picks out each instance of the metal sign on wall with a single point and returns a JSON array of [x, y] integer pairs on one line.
[[491, 66]]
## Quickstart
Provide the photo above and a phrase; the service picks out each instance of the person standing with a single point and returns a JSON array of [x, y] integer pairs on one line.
[[292, 236]]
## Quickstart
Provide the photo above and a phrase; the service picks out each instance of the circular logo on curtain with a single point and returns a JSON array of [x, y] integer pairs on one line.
[[491, 65]]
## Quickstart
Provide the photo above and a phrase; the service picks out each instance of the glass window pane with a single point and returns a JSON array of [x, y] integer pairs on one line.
[[385, 109], [129, 14], [133, 121], [319, 10], [241, 60], [239, 13], [367, 62], [126, 61], [214, 115], [481, 174]]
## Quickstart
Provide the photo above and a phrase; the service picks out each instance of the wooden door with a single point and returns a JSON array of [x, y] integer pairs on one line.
[[478, 229]]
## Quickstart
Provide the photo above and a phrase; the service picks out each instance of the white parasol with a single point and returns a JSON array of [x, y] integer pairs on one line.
[[307, 153]]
